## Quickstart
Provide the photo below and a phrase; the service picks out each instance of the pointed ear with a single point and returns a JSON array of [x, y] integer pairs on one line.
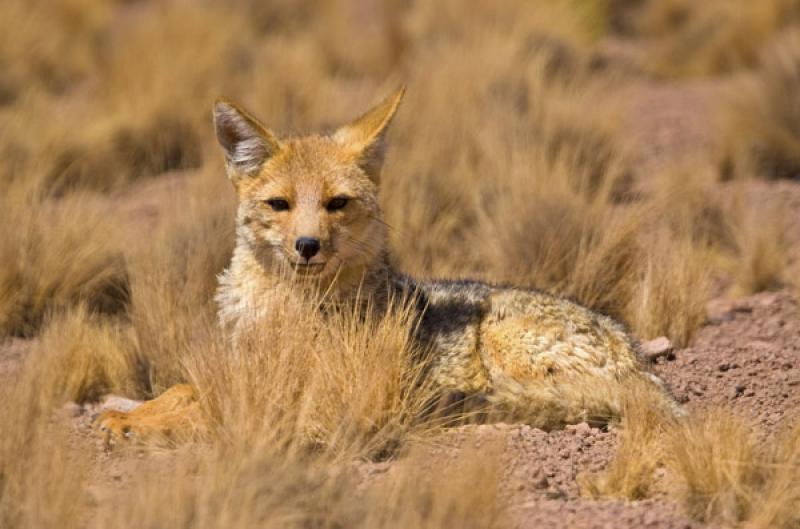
[[246, 143], [366, 136]]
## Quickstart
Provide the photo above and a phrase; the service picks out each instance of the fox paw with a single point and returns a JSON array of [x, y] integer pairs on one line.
[[115, 427], [166, 429]]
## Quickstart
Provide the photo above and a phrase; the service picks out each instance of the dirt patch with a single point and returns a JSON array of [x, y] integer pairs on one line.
[[747, 358]]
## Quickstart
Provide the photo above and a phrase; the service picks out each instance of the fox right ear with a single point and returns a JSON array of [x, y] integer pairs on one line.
[[246, 143]]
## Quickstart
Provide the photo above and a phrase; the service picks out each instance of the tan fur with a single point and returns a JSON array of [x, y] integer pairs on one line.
[[532, 355]]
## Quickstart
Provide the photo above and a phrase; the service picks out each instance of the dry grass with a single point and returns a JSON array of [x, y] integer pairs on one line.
[[91, 356], [35, 459], [56, 255], [507, 164], [714, 465], [686, 38], [776, 502], [759, 120], [357, 389], [261, 488], [173, 277], [760, 258], [631, 474], [715, 457], [59, 43]]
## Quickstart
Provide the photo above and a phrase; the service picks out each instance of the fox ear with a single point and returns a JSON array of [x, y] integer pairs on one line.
[[366, 136], [247, 144]]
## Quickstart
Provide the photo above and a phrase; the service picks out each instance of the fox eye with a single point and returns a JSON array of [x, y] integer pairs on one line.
[[337, 203], [278, 204]]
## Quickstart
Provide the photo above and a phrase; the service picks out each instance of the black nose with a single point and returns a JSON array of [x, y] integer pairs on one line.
[[307, 246]]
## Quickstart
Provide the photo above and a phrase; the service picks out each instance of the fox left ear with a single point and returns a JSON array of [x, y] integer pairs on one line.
[[246, 142], [366, 136]]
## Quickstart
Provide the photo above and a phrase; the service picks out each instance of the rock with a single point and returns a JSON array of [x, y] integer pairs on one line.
[[661, 347]]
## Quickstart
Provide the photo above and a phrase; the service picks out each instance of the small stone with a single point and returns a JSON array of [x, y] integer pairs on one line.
[[660, 347], [738, 391], [724, 366]]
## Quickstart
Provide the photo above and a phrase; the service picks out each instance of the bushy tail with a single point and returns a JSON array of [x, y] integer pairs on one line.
[[552, 403]]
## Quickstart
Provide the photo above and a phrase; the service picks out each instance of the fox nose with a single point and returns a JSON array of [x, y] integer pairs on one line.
[[307, 247]]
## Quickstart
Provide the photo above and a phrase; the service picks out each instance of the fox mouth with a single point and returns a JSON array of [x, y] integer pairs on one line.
[[307, 269]]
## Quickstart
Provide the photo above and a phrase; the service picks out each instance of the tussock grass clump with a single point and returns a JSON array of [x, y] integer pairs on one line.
[[686, 38], [760, 136], [49, 47], [776, 503], [89, 356], [672, 284], [714, 465], [35, 460], [761, 250], [55, 255], [631, 474], [357, 388], [716, 459], [151, 109]]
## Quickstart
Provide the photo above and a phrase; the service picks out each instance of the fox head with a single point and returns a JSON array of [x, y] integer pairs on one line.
[[308, 206]]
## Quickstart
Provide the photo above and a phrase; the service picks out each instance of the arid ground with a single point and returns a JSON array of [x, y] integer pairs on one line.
[[640, 156]]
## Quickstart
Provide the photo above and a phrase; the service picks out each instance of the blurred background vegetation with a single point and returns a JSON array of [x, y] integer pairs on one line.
[[640, 156]]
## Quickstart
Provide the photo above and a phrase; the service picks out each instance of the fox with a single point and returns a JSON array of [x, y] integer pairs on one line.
[[308, 211]]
